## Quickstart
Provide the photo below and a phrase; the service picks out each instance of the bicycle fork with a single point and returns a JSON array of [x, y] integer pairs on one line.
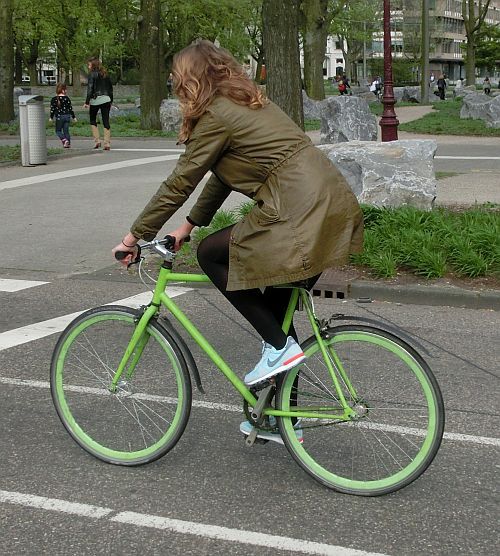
[[135, 347]]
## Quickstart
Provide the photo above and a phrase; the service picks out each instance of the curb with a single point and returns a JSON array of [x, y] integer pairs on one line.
[[365, 291]]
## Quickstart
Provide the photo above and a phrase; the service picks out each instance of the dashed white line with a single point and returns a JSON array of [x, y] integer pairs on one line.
[[38, 330], [10, 285], [205, 530], [456, 437], [449, 157], [53, 504], [42, 178]]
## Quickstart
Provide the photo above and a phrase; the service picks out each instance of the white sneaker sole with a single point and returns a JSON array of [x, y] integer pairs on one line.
[[277, 371]]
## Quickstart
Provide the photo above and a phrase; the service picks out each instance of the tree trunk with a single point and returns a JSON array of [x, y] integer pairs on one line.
[[6, 62], [315, 31], [31, 62], [474, 16], [18, 67], [162, 70], [470, 64], [149, 43], [282, 57], [77, 86], [33, 73]]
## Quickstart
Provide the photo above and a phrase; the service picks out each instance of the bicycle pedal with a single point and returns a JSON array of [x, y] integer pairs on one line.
[[262, 385], [251, 438]]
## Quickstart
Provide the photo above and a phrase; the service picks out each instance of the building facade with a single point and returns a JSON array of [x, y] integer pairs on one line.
[[447, 34]]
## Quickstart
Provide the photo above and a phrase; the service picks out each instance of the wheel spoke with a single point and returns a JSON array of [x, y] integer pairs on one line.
[[397, 408], [145, 415]]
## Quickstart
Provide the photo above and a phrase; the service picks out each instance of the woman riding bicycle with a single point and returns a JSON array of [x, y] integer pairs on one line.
[[305, 219]]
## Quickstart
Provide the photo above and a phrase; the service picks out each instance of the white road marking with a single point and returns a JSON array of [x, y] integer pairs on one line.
[[42, 178], [456, 437], [150, 150], [206, 530], [8, 285], [39, 330], [236, 535], [53, 504], [449, 157]]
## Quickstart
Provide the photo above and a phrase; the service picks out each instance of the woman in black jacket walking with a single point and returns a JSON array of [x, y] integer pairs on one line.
[[99, 97]]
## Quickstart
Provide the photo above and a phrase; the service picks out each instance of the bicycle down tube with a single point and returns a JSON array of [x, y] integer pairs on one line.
[[161, 298]]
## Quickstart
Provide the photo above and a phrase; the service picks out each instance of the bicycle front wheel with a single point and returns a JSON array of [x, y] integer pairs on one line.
[[399, 412], [145, 415]]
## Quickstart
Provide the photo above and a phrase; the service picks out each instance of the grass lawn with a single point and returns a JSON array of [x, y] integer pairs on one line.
[[13, 153], [445, 120], [428, 244]]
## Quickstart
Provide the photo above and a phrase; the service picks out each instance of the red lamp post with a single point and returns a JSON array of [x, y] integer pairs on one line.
[[389, 123]]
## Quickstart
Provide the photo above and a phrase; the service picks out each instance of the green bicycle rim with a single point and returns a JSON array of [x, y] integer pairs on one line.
[[80, 435], [387, 484]]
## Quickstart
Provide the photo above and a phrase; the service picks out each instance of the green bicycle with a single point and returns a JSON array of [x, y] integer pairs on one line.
[[370, 409]]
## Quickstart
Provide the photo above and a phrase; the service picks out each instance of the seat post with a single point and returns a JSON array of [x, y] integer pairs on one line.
[[292, 305]]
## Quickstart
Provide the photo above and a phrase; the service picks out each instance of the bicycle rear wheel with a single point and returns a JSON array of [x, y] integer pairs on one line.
[[400, 412], [147, 413]]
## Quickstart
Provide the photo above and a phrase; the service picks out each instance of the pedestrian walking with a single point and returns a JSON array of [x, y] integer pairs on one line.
[[99, 98], [458, 87], [487, 85], [441, 85], [61, 111]]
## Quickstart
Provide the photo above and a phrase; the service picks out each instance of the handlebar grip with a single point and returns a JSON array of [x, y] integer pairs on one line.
[[120, 255], [171, 241]]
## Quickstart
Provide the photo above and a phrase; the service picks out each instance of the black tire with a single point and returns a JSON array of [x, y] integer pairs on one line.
[[400, 412], [147, 414]]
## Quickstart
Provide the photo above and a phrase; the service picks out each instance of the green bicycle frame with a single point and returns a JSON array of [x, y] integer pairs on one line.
[[139, 340]]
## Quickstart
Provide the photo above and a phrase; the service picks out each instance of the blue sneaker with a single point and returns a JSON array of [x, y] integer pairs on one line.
[[274, 361], [272, 435]]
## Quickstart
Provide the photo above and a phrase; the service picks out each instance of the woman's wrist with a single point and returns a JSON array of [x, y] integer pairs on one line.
[[130, 241]]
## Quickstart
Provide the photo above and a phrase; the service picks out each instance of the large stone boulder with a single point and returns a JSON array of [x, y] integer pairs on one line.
[[481, 107], [170, 115], [389, 174], [462, 92], [346, 118], [411, 94], [312, 108]]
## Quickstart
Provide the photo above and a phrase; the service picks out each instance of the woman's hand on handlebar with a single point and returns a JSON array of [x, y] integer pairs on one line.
[[181, 233], [126, 248]]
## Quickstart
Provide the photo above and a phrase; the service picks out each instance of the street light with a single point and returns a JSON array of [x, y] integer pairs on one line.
[[389, 123]]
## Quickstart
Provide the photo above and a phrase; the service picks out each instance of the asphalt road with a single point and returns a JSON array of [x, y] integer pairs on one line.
[[211, 494]]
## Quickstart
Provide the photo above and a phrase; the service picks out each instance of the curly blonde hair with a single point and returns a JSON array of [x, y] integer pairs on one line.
[[203, 71]]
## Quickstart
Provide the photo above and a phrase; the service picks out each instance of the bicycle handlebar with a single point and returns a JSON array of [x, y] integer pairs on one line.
[[163, 247]]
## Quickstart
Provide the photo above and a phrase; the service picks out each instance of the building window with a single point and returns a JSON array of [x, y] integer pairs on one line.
[[339, 60]]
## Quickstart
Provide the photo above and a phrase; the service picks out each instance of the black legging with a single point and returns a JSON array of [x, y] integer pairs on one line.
[[104, 108], [264, 311]]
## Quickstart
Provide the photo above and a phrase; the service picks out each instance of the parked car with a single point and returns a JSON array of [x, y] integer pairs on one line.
[[25, 79]]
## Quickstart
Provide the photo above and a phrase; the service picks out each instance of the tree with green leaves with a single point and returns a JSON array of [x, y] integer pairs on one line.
[[474, 13], [354, 22], [6, 62], [280, 19], [315, 23], [253, 27], [488, 48]]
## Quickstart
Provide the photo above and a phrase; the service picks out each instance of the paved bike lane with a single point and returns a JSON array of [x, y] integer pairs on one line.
[[221, 491], [231, 499]]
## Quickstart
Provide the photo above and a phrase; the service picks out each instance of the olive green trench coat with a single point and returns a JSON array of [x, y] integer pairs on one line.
[[305, 219]]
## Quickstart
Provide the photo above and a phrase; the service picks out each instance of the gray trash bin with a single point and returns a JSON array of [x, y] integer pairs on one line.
[[32, 128]]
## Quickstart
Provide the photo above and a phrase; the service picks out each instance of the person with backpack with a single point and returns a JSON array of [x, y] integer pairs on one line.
[[62, 111], [487, 85], [441, 85]]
